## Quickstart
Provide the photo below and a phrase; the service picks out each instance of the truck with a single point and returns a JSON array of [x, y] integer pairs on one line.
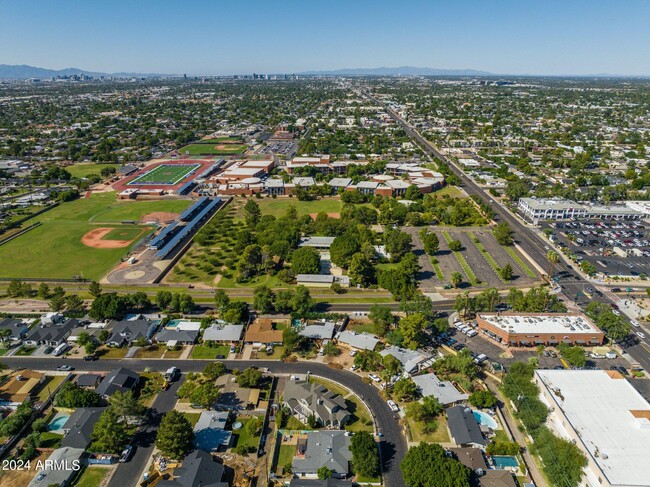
[[172, 374]]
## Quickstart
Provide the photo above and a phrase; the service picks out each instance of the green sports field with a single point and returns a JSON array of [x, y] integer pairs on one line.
[[85, 169], [207, 149], [165, 174], [221, 140], [123, 233], [54, 249]]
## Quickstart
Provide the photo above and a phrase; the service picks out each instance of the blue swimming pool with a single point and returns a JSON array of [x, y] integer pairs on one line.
[[502, 462], [485, 419], [57, 423]]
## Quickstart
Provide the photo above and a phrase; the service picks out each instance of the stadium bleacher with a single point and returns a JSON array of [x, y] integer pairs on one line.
[[157, 241], [187, 214]]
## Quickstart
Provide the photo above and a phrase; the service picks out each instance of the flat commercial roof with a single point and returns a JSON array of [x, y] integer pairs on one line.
[[559, 323], [611, 418]]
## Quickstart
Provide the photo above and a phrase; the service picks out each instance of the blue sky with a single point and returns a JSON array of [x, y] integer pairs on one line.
[[243, 36]]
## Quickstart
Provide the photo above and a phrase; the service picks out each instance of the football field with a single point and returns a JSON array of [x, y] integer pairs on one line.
[[167, 174]]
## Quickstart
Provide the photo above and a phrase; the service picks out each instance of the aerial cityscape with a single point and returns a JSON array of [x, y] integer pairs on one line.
[[337, 257]]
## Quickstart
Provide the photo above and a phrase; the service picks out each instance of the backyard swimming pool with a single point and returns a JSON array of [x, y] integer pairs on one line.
[[502, 462], [57, 423], [485, 419]]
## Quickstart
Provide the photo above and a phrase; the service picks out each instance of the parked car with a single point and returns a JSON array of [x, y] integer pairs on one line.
[[392, 405], [374, 377], [90, 358], [64, 368], [640, 334], [126, 454]]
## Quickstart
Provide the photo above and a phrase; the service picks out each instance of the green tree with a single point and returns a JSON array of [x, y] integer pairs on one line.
[[343, 248], [175, 437], [412, 327], [455, 245], [506, 273], [553, 258], [456, 278], [163, 300], [574, 355], [365, 456], [74, 303], [125, 404], [503, 234], [204, 395], [43, 290], [367, 360], [361, 270], [72, 396], [95, 289], [382, 319], [263, 300], [250, 377], [482, 399], [305, 260], [221, 301], [428, 465], [108, 306], [109, 433], [331, 350], [405, 389], [302, 302], [214, 370], [252, 213], [430, 242], [324, 473], [292, 339], [254, 426]]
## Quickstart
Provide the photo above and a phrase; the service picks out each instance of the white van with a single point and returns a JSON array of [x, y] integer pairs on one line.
[[60, 350], [472, 333], [480, 359], [465, 328]]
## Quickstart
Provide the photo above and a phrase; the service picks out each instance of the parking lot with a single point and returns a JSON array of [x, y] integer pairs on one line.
[[282, 147], [613, 247]]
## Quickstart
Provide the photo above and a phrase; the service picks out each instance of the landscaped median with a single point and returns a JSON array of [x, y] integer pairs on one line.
[[471, 277], [529, 272]]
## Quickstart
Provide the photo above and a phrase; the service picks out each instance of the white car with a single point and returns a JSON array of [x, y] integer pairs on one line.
[[353, 353], [392, 405], [472, 333], [635, 323], [374, 377], [616, 312], [641, 335], [66, 368]]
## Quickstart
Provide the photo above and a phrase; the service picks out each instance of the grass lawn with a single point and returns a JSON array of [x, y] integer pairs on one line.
[[208, 149], [109, 352], [286, 454], [92, 476], [243, 438], [452, 191], [3, 351], [438, 270], [173, 353], [153, 351], [193, 418], [513, 253], [54, 249], [278, 206], [203, 352], [367, 327], [50, 440], [123, 233], [294, 424], [439, 436], [25, 351], [278, 351], [50, 383], [84, 169]]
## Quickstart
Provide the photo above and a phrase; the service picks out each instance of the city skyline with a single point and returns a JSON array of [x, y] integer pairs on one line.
[[584, 38]]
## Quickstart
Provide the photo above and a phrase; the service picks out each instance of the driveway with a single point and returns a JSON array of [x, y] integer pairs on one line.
[[130, 473], [392, 445]]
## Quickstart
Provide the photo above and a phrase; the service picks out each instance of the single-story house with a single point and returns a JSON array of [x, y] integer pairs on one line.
[[497, 478], [19, 387], [305, 399], [173, 337], [79, 427], [412, 361], [93, 333], [120, 379], [320, 330], [444, 391], [472, 458], [209, 431], [234, 397], [17, 329], [323, 448], [184, 325], [464, 429], [60, 468], [51, 318], [127, 332], [54, 334], [316, 242], [263, 332], [89, 381], [223, 333], [359, 341], [198, 470]]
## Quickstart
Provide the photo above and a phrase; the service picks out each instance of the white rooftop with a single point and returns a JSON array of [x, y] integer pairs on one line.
[[551, 323], [600, 410], [363, 341]]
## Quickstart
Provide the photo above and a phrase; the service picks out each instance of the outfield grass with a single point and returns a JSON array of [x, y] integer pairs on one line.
[[207, 149], [85, 169], [54, 249]]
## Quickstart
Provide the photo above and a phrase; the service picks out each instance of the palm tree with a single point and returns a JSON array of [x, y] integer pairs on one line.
[[553, 258], [456, 278]]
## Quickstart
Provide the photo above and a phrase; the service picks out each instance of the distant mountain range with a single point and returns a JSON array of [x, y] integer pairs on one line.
[[399, 71], [23, 71]]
